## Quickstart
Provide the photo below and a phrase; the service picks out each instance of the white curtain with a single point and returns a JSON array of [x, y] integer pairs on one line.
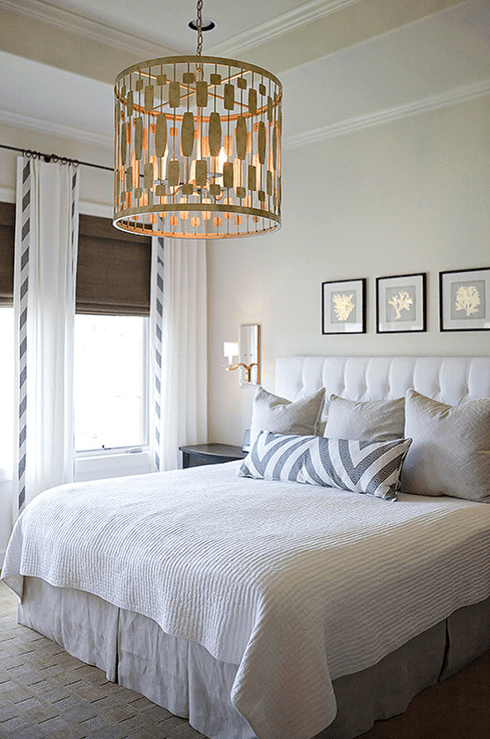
[[46, 243], [178, 319]]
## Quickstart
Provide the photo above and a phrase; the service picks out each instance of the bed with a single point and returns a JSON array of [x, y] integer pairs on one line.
[[272, 606]]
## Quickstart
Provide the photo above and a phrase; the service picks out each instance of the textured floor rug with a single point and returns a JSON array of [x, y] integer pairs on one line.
[[47, 694]]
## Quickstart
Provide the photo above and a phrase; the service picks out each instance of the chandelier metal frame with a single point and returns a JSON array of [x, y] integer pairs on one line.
[[197, 147]]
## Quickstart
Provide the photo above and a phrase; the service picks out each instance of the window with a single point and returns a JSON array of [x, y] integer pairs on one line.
[[110, 383], [110, 386], [111, 336]]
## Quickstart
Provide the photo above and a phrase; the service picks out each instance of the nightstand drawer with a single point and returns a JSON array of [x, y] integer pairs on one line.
[[203, 454]]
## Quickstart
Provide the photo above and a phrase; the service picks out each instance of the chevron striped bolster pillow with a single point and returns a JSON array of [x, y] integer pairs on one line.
[[372, 467]]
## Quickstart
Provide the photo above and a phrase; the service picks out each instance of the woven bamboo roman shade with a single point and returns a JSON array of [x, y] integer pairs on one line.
[[7, 230], [113, 272]]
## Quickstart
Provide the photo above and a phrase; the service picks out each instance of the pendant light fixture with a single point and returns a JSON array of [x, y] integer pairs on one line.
[[197, 147]]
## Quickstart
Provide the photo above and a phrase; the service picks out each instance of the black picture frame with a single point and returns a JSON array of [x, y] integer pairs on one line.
[[401, 303], [344, 306], [464, 299]]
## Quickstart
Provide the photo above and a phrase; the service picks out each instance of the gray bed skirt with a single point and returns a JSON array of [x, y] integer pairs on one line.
[[184, 678]]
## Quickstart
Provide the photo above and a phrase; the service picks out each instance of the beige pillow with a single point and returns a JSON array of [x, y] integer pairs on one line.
[[450, 452], [273, 413], [377, 420]]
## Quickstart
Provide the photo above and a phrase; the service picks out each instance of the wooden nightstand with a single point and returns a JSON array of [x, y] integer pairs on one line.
[[199, 454]]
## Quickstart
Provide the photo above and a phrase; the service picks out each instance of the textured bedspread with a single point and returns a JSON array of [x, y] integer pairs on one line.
[[296, 584]]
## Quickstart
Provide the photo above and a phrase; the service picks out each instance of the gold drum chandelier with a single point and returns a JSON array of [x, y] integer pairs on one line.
[[197, 147]]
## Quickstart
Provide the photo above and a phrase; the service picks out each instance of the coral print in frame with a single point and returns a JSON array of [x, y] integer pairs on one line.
[[344, 307], [401, 303], [464, 297]]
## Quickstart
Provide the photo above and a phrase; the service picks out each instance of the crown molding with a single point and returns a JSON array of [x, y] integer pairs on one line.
[[74, 23], [307, 13], [56, 129], [423, 105]]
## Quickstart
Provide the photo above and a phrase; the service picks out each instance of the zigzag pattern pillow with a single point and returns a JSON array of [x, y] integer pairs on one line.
[[371, 467]]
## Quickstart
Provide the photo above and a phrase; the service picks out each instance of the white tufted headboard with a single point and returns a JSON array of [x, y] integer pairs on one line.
[[447, 379]]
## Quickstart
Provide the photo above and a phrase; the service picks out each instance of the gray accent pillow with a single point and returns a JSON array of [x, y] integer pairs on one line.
[[272, 413], [450, 453], [378, 420], [371, 467]]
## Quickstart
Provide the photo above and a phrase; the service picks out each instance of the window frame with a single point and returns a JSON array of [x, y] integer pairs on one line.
[[144, 415]]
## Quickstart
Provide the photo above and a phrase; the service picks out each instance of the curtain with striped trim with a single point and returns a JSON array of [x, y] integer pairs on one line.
[[155, 364], [178, 321], [46, 241]]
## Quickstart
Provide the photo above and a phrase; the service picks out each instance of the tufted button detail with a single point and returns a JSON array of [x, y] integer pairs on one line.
[[447, 379]]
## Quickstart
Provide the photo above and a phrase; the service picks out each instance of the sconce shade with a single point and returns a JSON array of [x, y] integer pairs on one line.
[[197, 148], [230, 350]]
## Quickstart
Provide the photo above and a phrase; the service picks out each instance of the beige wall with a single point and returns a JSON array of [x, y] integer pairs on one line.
[[412, 195]]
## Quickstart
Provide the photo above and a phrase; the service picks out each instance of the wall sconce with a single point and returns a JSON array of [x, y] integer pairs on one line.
[[247, 351]]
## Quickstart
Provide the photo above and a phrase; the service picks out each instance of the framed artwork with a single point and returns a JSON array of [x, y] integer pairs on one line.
[[464, 300], [401, 304], [344, 307]]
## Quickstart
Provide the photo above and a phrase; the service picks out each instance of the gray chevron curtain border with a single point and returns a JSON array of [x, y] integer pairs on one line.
[[25, 212], [156, 313], [27, 268], [178, 336]]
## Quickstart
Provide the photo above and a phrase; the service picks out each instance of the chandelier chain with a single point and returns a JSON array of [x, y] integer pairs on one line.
[[199, 27]]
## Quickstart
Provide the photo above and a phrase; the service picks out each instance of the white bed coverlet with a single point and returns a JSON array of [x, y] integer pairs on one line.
[[296, 584]]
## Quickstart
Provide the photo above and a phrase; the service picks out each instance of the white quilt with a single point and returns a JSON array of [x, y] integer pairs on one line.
[[296, 584]]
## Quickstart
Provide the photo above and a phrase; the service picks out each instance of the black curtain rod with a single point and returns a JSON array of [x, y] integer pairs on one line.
[[54, 158]]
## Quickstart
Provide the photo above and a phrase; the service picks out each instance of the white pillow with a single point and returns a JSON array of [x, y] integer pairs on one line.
[[378, 420], [450, 453], [273, 413], [371, 467]]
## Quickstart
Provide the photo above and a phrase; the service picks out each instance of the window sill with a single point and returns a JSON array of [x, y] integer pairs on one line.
[[111, 463]]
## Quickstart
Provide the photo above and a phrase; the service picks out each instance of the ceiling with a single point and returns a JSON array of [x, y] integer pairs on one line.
[[164, 23], [349, 63]]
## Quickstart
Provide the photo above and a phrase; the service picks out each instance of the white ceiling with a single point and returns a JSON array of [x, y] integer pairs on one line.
[[338, 60], [165, 23]]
